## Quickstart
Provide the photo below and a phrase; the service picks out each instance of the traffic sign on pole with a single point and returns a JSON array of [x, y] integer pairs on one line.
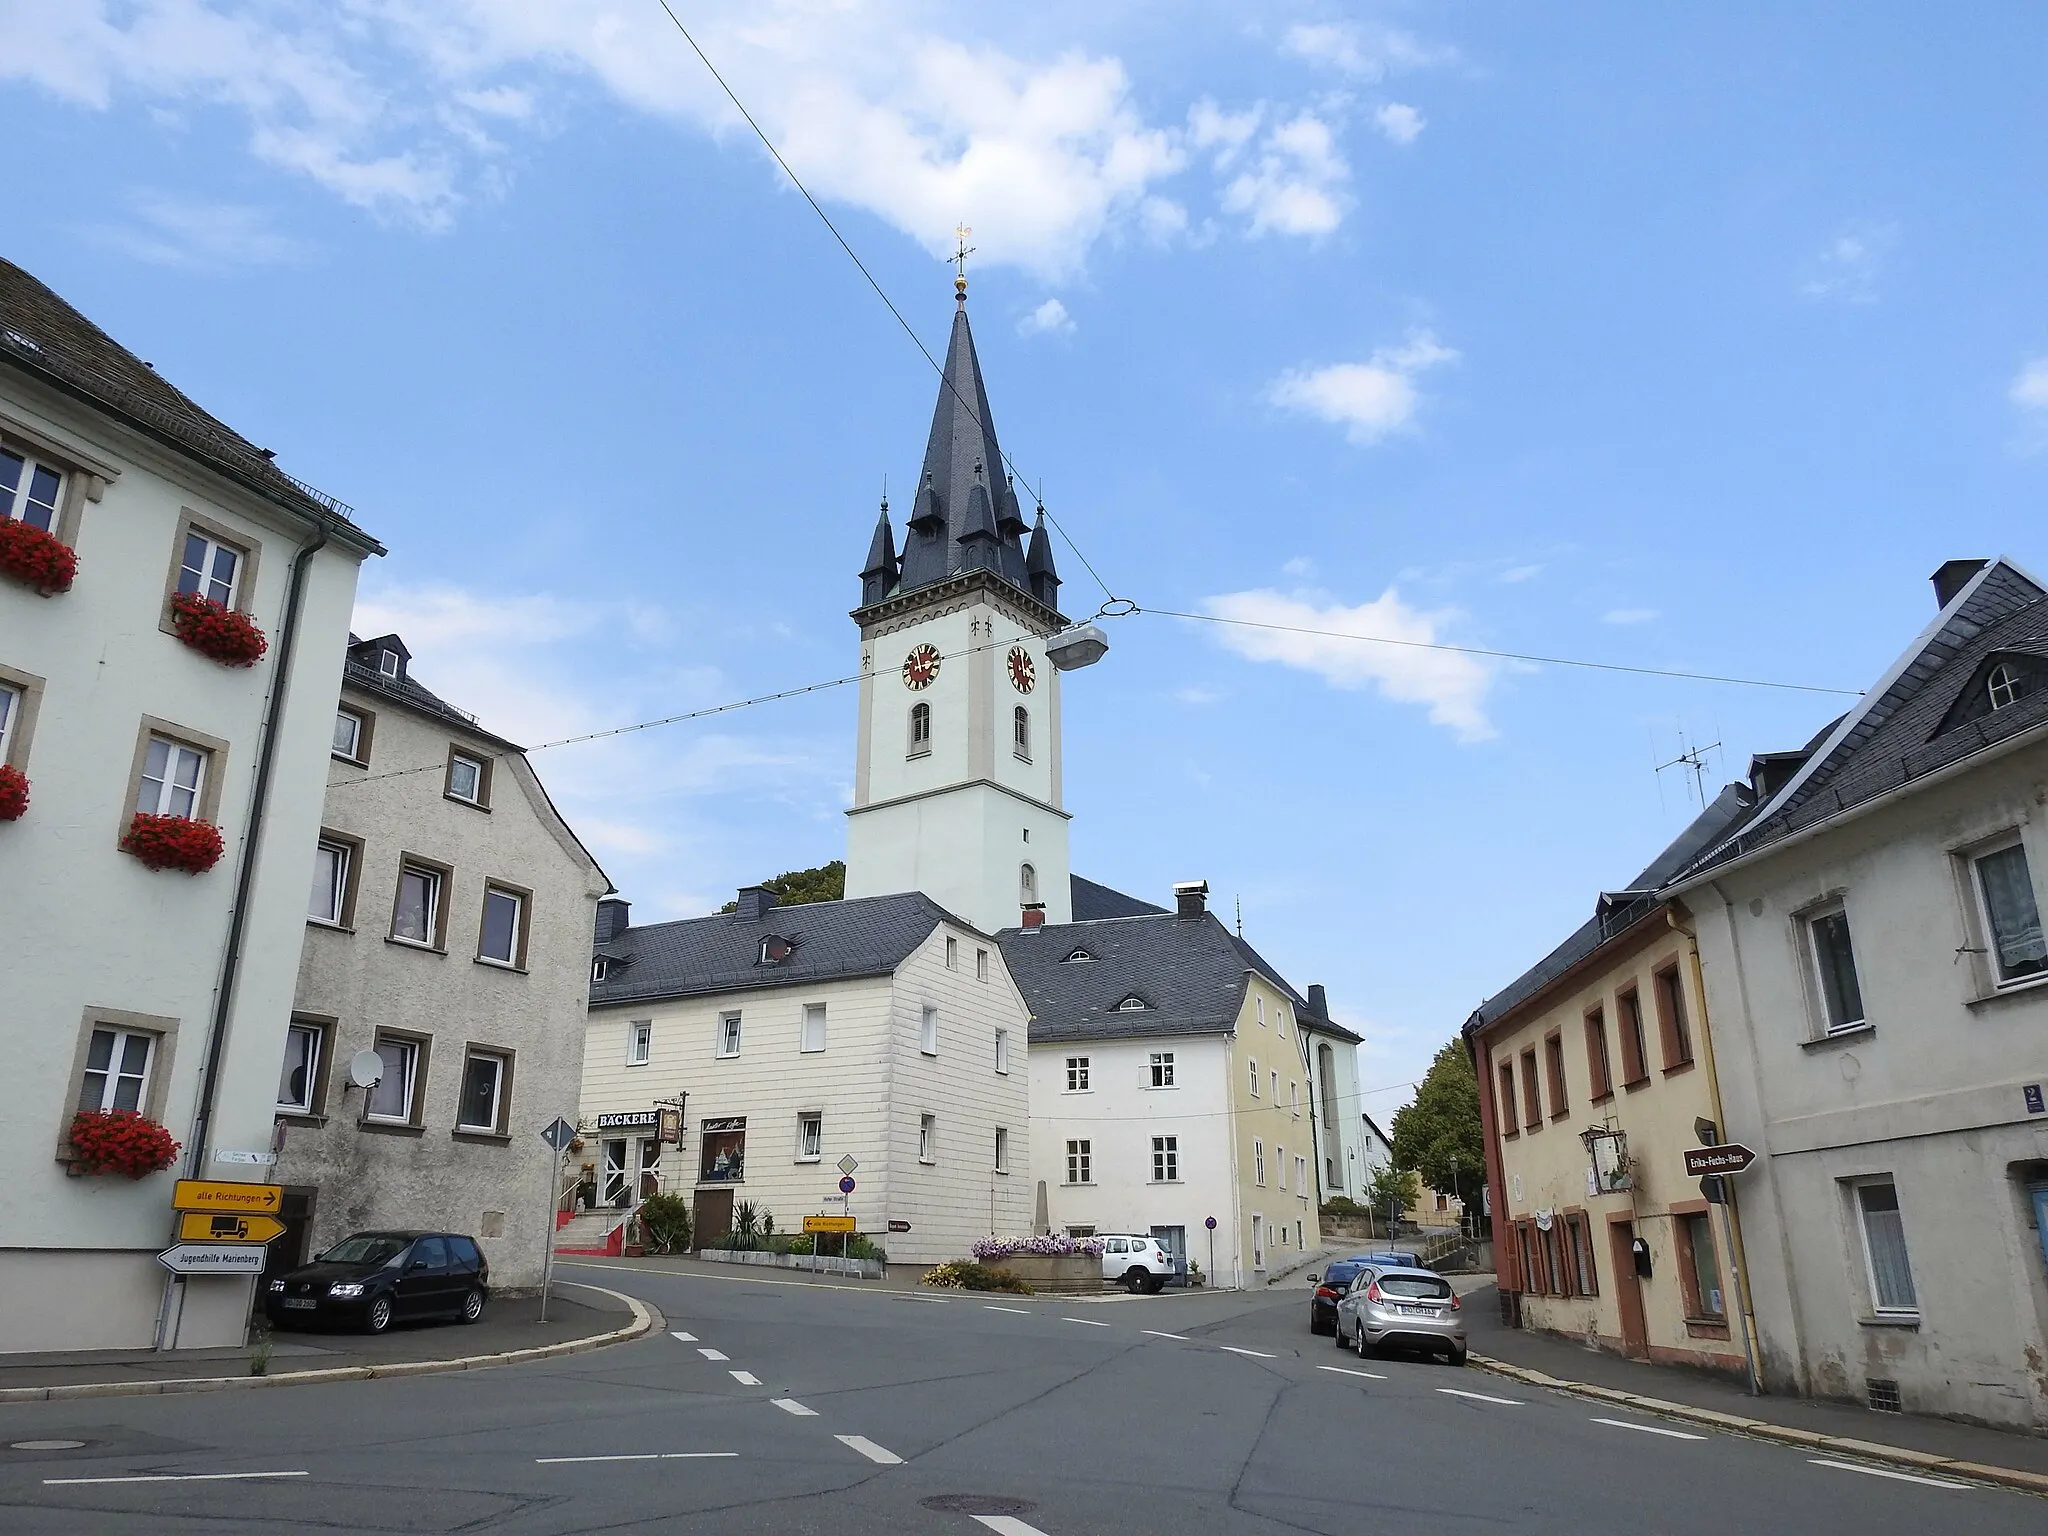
[[213, 1259], [213, 1227], [1729, 1157], [558, 1133], [828, 1224], [846, 1186], [848, 1163], [241, 1199]]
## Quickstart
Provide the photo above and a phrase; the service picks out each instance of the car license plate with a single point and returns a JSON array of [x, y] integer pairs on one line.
[[300, 1303], [1418, 1311]]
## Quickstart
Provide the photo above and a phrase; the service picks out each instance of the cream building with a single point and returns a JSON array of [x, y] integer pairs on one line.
[[136, 981], [447, 934]]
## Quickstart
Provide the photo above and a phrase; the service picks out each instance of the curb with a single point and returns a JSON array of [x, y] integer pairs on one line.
[[645, 1320], [1763, 1429]]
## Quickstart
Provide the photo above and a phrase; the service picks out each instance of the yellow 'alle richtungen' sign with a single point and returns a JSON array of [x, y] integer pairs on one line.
[[213, 1195], [828, 1224]]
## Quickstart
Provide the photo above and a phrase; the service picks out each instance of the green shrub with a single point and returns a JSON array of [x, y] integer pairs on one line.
[[966, 1275], [666, 1221], [1343, 1208]]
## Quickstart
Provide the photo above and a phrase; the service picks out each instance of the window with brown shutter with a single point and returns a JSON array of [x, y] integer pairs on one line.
[[1532, 1096], [1597, 1066], [1553, 1052], [1504, 1106], [1635, 1053], [1677, 1032]]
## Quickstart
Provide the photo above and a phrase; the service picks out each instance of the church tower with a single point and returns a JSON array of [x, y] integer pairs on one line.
[[957, 784]]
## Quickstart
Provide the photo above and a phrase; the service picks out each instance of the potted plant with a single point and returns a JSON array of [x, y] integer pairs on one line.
[[120, 1141], [13, 793], [218, 631], [36, 558], [174, 842]]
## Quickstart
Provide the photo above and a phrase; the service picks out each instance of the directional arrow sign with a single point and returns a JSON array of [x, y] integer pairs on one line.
[[241, 1199], [1729, 1157], [207, 1227], [213, 1259]]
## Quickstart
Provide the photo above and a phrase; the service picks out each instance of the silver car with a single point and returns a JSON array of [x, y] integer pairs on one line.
[[1407, 1308]]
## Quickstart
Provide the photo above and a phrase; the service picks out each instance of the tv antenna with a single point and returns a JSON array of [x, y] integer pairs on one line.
[[1694, 758]]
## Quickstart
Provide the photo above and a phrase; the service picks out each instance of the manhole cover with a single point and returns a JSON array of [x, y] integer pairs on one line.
[[977, 1504], [46, 1445]]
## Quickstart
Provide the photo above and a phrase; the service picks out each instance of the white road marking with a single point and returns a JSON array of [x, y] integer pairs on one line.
[[1343, 1370], [1650, 1429], [1020, 1311], [869, 1449], [1158, 1335], [1481, 1397], [745, 1378], [170, 1477], [713, 1354], [556, 1461], [1902, 1477], [1085, 1322], [1007, 1525], [791, 1405], [687, 1338], [1256, 1354]]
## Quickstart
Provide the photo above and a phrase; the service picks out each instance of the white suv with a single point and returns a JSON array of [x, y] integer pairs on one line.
[[1136, 1263]]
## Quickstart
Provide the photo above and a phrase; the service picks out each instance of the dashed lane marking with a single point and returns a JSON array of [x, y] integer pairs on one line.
[[1007, 1525], [745, 1378], [1650, 1429], [1900, 1477], [791, 1405], [687, 1338], [714, 1354], [1020, 1311], [556, 1461], [1085, 1322], [1158, 1335], [1345, 1370], [1481, 1397], [869, 1449], [1256, 1354], [170, 1477]]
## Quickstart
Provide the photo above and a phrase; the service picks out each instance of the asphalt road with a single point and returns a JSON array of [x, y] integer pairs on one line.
[[794, 1408]]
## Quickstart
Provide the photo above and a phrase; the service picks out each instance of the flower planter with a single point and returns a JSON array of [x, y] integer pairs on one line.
[[35, 558], [13, 794], [217, 631], [174, 842], [1071, 1273], [119, 1142]]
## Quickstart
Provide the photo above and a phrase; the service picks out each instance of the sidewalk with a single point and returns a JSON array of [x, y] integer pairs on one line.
[[580, 1317], [1924, 1443]]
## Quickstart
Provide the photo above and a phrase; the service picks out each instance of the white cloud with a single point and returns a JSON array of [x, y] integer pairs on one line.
[[1399, 122], [1515, 574], [1294, 185], [1370, 399], [2029, 392], [1366, 51], [1453, 685], [1050, 318], [1629, 615], [1850, 267], [1198, 697], [1301, 568], [210, 237]]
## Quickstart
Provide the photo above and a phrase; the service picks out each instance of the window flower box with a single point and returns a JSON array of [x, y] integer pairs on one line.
[[36, 558], [13, 794], [120, 1141], [174, 842], [217, 631]]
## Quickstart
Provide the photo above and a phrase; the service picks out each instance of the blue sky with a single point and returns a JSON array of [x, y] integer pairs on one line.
[[1678, 339]]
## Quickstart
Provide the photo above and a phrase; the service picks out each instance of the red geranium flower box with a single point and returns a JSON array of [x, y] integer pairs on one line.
[[174, 842], [13, 793], [120, 1141], [215, 630], [40, 559]]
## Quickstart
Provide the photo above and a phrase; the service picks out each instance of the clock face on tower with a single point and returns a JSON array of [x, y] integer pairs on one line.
[[920, 667], [1023, 672]]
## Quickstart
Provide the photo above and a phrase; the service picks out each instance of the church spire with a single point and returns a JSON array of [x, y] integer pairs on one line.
[[878, 576], [1038, 567]]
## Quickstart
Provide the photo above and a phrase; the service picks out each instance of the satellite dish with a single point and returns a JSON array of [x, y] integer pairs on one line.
[[366, 1069]]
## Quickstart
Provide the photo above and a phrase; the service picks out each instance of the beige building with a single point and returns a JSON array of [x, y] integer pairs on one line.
[[447, 936], [1594, 1067]]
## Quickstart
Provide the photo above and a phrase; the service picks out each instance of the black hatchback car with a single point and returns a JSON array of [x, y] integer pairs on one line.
[[373, 1279], [1329, 1286]]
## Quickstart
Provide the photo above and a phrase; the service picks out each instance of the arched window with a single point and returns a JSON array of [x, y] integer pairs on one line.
[[1027, 883], [1020, 730], [1132, 1004], [920, 729], [2004, 685]]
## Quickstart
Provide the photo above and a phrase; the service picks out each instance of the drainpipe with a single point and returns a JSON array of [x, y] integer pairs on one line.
[[245, 876]]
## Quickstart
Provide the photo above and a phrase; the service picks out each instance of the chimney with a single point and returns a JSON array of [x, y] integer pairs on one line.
[[1318, 1000], [1034, 914], [755, 901], [1190, 898], [1953, 576], [613, 918]]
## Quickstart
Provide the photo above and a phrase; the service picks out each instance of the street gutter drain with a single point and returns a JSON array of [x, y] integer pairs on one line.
[[977, 1504], [46, 1445]]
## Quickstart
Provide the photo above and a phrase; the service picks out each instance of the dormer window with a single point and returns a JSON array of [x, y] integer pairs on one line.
[[2004, 686], [600, 969], [775, 949], [1078, 957], [387, 663], [1132, 1004]]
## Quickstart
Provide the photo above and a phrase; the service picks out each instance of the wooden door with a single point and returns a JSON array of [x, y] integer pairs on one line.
[[1628, 1290], [711, 1217]]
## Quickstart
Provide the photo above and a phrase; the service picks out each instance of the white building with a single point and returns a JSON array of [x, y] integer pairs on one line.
[[127, 987], [1877, 982], [447, 934], [880, 1028], [1347, 1161]]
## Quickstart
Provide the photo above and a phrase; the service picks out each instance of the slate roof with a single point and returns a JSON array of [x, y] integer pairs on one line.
[[46, 338], [1190, 970], [1093, 901], [362, 674], [834, 941]]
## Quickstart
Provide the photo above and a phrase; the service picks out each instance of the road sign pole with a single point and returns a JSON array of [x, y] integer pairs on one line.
[[1736, 1272], [547, 1227]]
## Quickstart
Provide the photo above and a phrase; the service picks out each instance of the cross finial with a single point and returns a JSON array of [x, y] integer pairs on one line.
[[961, 251]]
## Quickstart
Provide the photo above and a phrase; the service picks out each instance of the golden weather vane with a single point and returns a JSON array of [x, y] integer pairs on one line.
[[961, 251]]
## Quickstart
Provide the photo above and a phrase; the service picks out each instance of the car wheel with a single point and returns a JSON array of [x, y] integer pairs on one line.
[[377, 1317], [1155, 1285], [1337, 1333], [1364, 1349], [1456, 1357], [473, 1306], [1134, 1279]]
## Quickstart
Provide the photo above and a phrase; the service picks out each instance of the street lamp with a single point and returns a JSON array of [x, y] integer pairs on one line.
[[1083, 645]]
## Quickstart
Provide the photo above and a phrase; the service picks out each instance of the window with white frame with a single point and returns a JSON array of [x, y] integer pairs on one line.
[[952, 953], [728, 1034], [927, 1138], [466, 778], [1002, 1149], [1280, 1165], [1262, 1012], [981, 965], [1003, 1051], [1301, 1175], [387, 663], [173, 778], [1294, 1099], [504, 918], [1080, 1162], [210, 568], [299, 1076], [1020, 733], [348, 735], [1162, 1069], [1275, 1077], [1254, 1075], [2004, 686], [1165, 1159], [920, 730], [813, 1038], [30, 491], [1077, 1074], [600, 969], [1131, 1004], [117, 1063], [928, 1031], [392, 1099], [417, 917], [1027, 883], [1833, 955], [329, 900], [1887, 1267], [810, 1136], [2011, 914], [1258, 1162], [10, 712], [639, 1042], [482, 1105]]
